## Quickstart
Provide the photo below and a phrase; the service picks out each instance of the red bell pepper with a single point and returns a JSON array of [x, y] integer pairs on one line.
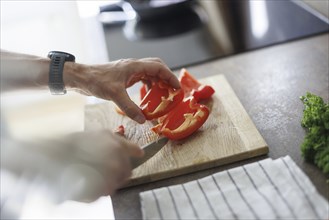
[[194, 88], [143, 91], [120, 130], [160, 99], [183, 120]]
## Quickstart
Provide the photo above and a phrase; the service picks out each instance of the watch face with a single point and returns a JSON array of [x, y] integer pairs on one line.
[[68, 57]]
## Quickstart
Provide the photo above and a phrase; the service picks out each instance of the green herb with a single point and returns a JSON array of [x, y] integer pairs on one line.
[[315, 147]]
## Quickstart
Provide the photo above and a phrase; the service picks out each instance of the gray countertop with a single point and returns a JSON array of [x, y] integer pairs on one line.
[[268, 83]]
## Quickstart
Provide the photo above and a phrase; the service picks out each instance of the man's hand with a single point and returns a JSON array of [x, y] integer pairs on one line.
[[106, 155], [110, 81], [82, 166]]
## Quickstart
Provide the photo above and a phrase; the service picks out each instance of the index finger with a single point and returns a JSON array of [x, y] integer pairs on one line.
[[128, 106]]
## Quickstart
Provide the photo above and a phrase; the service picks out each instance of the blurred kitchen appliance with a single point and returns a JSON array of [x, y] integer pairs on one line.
[[146, 9], [189, 32]]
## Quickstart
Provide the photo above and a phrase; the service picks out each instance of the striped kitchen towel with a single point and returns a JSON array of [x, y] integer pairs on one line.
[[268, 189]]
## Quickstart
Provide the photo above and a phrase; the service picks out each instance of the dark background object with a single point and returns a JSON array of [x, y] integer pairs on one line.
[[212, 29], [162, 27], [149, 9]]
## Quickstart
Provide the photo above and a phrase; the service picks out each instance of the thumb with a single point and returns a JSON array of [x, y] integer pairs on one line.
[[132, 149], [129, 107], [135, 151]]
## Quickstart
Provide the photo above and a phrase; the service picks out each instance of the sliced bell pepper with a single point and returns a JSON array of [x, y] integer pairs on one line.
[[120, 130], [160, 99], [183, 120], [193, 87], [143, 91]]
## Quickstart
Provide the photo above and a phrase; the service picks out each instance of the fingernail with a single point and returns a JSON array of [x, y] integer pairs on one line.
[[140, 119]]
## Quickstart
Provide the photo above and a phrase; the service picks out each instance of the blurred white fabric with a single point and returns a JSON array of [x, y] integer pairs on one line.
[[21, 199], [269, 189]]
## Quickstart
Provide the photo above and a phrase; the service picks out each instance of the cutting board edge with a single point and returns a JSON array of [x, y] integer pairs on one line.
[[263, 150]]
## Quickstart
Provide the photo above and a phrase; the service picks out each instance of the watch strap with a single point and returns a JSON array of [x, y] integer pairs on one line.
[[56, 81]]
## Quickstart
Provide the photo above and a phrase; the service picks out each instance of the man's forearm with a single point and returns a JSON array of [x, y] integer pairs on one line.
[[20, 71]]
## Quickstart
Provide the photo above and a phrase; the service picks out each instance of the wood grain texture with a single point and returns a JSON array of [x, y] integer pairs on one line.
[[228, 135]]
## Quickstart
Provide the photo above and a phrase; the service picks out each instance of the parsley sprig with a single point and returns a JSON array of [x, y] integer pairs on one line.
[[315, 147]]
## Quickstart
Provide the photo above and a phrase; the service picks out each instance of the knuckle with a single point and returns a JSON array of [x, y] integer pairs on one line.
[[157, 59], [126, 62]]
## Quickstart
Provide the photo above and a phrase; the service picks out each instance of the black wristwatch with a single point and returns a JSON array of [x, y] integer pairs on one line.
[[56, 83]]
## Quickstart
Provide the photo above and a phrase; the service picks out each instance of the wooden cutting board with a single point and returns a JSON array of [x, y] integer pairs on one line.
[[227, 136]]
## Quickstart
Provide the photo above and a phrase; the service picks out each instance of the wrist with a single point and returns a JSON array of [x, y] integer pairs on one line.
[[42, 76], [75, 75]]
